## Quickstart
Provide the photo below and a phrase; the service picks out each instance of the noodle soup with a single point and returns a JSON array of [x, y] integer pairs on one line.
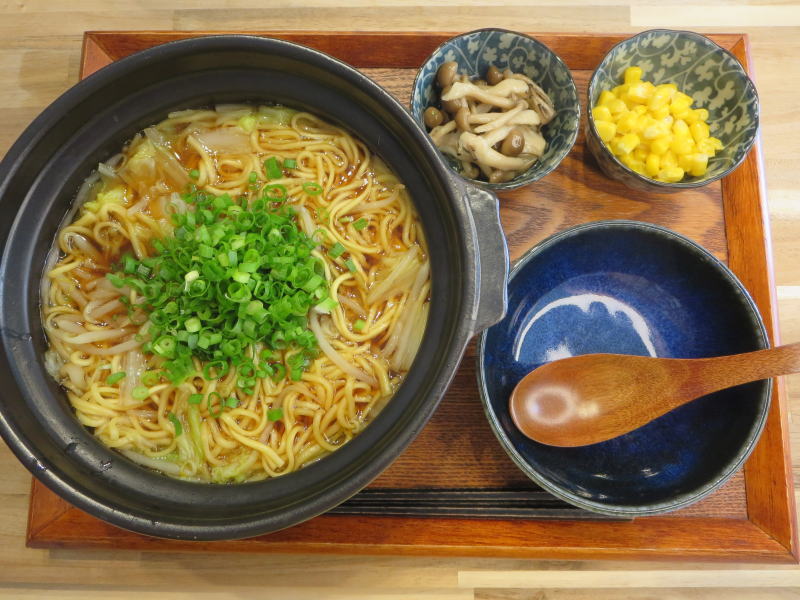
[[240, 291]]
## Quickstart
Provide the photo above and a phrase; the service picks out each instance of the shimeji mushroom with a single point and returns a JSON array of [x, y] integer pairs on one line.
[[538, 99], [492, 126], [497, 95], [502, 119], [486, 155]]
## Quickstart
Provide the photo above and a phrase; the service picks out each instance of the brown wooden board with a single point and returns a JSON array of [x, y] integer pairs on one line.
[[752, 518]]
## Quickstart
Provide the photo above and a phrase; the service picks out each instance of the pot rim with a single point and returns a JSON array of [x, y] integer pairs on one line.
[[385, 447]]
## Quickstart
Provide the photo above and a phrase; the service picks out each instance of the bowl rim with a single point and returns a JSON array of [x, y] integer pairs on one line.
[[686, 498], [678, 185], [508, 185]]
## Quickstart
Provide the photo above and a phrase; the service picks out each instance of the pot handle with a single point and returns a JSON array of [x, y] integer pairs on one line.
[[492, 255]]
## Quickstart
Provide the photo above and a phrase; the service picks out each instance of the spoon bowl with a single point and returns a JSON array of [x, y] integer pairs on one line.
[[592, 398]]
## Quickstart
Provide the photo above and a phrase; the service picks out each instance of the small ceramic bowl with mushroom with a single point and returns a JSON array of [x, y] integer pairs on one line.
[[500, 106]]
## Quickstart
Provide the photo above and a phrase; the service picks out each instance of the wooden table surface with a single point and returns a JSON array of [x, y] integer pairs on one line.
[[39, 59]]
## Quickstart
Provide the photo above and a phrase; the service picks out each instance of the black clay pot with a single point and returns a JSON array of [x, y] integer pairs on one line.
[[38, 181]]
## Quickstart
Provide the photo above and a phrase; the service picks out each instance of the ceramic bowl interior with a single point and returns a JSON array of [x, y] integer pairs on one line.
[[475, 52], [711, 75], [585, 291]]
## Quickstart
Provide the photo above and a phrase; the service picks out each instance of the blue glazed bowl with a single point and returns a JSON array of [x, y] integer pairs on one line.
[[628, 288], [711, 75], [475, 52]]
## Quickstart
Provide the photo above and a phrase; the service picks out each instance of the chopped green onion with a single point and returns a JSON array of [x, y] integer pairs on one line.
[[253, 177], [150, 378], [195, 399], [336, 250], [220, 406], [312, 188], [115, 377], [359, 325], [194, 174], [220, 366], [165, 346], [175, 423], [115, 280], [231, 402], [140, 392], [235, 273], [290, 163], [327, 305], [275, 414], [360, 224], [272, 168], [193, 325], [276, 191], [351, 266]]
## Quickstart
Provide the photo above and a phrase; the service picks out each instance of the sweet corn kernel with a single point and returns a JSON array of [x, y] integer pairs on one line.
[[658, 100], [699, 131], [605, 97], [670, 89], [699, 164], [617, 106], [632, 74], [626, 159], [627, 122], [697, 115], [706, 147], [629, 141], [653, 129], [606, 130], [638, 92], [652, 165], [652, 132], [621, 90], [681, 144], [670, 174], [685, 162], [679, 127], [601, 113], [660, 113], [682, 98], [638, 166], [678, 108], [661, 145]]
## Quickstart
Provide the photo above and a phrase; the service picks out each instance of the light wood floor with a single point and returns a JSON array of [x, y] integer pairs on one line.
[[39, 56]]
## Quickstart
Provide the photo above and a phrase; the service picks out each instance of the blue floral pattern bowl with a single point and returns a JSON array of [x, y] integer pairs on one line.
[[700, 68], [475, 52]]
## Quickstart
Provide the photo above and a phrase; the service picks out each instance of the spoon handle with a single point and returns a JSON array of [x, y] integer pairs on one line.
[[727, 371]]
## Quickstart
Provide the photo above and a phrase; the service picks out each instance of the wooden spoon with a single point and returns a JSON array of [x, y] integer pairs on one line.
[[595, 397]]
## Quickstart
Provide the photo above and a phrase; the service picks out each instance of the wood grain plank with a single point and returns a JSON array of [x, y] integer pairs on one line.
[[770, 493], [641, 539], [528, 217]]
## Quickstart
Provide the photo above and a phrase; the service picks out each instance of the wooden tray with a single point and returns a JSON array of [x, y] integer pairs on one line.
[[468, 500]]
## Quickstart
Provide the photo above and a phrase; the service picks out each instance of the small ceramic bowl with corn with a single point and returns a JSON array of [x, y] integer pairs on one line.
[[669, 110]]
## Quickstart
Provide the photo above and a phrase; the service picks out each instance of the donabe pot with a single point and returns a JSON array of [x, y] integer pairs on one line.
[[38, 181]]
